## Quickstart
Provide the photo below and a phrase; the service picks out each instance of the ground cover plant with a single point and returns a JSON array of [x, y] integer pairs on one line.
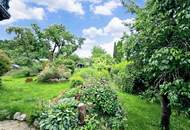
[[102, 109]]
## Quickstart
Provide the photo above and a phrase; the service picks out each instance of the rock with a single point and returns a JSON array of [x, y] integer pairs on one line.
[[36, 124], [19, 116]]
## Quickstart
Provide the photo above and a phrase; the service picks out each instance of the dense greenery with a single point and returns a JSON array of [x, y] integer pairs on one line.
[[152, 61], [103, 109], [160, 49], [28, 97], [54, 73], [30, 44], [100, 59], [4, 64]]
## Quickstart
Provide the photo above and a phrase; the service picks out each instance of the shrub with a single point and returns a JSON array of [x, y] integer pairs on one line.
[[67, 62], [128, 78], [36, 68], [103, 97], [103, 110], [62, 116], [71, 93], [76, 81], [20, 73], [4, 64], [104, 101], [54, 73], [82, 75]]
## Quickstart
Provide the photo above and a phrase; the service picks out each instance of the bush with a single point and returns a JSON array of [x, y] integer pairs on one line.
[[20, 73], [4, 63], [36, 68], [105, 102], [76, 81], [54, 74], [103, 97], [82, 75], [62, 116], [128, 78], [103, 110], [67, 62]]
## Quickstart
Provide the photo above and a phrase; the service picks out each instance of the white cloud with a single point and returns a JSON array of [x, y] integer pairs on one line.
[[107, 8], [92, 1], [92, 32], [20, 10], [72, 6], [105, 36], [30, 10]]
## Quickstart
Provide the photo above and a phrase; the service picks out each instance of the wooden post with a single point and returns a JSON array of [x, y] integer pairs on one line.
[[82, 113]]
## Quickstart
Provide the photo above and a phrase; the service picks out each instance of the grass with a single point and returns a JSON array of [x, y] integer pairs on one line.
[[143, 115], [26, 97], [16, 95]]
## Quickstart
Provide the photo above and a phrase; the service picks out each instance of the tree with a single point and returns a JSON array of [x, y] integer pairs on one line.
[[119, 46], [27, 45], [160, 49], [61, 41], [100, 58], [31, 44]]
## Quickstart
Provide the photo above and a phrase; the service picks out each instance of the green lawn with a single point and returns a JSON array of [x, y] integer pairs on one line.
[[17, 95], [143, 115], [26, 97]]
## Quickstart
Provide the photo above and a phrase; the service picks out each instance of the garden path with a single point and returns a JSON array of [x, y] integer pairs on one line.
[[14, 125]]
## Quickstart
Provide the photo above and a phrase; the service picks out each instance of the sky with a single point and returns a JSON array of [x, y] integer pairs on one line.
[[100, 22]]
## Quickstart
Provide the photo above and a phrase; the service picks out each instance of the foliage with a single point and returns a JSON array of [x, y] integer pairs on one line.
[[52, 73], [91, 123], [127, 77], [161, 51], [84, 74], [143, 115], [76, 81], [104, 100], [63, 42], [4, 64], [68, 62], [26, 46], [32, 43], [71, 93], [100, 59], [103, 97], [119, 46], [62, 116], [21, 72], [179, 94]]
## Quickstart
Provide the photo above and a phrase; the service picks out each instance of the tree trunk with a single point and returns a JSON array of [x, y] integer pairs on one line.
[[166, 112]]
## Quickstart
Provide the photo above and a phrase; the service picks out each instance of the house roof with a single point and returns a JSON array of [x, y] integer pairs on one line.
[[4, 13]]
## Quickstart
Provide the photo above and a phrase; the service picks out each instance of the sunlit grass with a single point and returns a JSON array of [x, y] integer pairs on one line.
[[18, 96], [143, 115]]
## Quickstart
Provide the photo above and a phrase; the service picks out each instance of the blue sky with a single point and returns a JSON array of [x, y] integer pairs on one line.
[[99, 21]]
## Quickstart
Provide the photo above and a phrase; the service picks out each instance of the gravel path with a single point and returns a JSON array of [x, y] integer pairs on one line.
[[14, 125]]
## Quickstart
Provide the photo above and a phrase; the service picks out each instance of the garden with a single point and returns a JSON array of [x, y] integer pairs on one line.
[[145, 85]]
